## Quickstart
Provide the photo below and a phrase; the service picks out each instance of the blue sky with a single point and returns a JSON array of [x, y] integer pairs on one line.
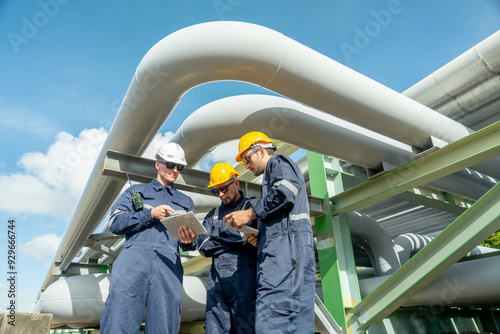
[[66, 65]]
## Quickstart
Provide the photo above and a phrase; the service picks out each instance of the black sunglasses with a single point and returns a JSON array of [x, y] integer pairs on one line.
[[215, 191], [246, 159], [171, 165]]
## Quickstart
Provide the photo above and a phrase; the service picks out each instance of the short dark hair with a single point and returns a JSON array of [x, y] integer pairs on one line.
[[270, 150]]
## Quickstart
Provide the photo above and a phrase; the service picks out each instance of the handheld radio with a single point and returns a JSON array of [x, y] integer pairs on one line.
[[136, 198]]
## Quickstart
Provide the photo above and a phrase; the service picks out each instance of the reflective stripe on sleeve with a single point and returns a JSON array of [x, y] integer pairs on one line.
[[114, 215], [287, 185], [199, 248], [300, 216]]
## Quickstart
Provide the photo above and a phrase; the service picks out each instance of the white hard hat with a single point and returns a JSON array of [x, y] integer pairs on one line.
[[171, 152]]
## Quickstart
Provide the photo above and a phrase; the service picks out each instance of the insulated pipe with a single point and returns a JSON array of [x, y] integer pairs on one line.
[[408, 244], [78, 301], [385, 259], [297, 124], [469, 283], [229, 118], [466, 84], [244, 52]]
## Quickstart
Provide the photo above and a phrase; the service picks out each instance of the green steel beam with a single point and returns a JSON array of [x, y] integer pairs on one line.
[[436, 200], [423, 195], [466, 232], [336, 258], [468, 151]]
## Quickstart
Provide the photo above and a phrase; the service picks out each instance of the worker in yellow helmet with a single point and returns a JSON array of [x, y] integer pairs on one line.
[[286, 263], [231, 287]]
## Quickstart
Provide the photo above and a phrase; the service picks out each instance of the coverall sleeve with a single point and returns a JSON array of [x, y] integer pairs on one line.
[[283, 185], [124, 219], [218, 239], [206, 246]]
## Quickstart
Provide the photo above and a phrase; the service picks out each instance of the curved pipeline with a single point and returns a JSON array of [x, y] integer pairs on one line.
[[243, 52], [292, 122], [297, 124], [383, 256]]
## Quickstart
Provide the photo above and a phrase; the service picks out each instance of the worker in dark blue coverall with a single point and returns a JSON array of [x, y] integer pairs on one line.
[[232, 282], [286, 264], [147, 275]]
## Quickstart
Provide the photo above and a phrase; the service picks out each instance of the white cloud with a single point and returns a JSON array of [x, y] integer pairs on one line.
[[51, 183], [41, 246]]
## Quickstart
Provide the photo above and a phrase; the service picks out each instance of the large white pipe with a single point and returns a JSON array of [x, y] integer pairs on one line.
[[294, 123], [78, 301], [464, 88], [244, 52], [469, 283], [230, 118]]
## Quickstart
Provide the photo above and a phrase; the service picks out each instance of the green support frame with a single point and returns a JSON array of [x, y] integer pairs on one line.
[[336, 258], [467, 231], [476, 222]]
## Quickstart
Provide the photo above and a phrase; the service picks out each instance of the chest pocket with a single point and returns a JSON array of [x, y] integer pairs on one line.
[[148, 200], [180, 206]]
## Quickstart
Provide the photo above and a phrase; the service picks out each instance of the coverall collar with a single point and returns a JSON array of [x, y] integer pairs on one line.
[[159, 187]]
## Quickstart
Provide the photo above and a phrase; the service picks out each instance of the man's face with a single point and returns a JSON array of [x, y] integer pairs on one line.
[[228, 191], [253, 160], [166, 175]]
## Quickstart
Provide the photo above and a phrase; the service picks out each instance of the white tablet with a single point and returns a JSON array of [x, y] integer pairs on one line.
[[173, 223]]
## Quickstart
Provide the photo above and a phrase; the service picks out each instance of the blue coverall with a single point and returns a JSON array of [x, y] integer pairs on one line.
[[148, 272], [232, 282], [286, 265]]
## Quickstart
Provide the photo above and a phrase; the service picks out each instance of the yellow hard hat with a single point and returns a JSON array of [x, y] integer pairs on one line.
[[249, 140], [220, 173]]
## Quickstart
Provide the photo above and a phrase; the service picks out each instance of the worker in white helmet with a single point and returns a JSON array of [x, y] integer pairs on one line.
[[147, 275]]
